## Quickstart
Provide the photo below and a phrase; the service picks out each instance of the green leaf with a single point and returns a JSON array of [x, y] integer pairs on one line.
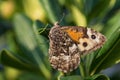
[[25, 36], [42, 41], [30, 76], [2, 76], [28, 43], [10, 59], [79, 17], [52, 9], [100, 9], [88, 5], [106, 60], [111, 31], [105, 57], [97, 77], [71, 78]]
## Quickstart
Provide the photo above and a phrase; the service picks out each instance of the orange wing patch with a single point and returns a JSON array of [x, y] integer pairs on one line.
[[74, 34]]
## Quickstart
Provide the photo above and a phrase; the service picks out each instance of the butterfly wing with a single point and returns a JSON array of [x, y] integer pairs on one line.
[[63, 53], [87, 39], [67, 43]]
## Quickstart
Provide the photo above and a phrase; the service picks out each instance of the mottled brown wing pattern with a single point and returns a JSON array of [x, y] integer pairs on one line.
[[67, 43], [63, 53]]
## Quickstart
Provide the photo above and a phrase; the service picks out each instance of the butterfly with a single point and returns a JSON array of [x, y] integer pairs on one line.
[[68, 43]]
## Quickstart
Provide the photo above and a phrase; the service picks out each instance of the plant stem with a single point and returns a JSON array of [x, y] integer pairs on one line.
[[82, 69]]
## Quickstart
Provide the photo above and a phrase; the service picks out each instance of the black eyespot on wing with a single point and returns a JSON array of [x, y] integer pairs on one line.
[[85, 44], [93, 36]]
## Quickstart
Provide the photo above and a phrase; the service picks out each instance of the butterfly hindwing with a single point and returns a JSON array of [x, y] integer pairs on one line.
[[63, 53]]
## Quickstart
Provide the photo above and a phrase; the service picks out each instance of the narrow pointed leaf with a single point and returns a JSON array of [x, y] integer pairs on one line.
[[71, 78]]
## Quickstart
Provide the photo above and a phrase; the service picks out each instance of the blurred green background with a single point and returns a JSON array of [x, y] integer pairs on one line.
[[24, 43]]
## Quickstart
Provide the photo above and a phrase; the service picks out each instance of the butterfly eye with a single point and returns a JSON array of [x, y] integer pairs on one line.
[[93, 36], [85, 44]]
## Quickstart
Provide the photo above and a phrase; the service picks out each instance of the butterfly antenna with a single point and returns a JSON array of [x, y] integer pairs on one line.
[[62, 18]]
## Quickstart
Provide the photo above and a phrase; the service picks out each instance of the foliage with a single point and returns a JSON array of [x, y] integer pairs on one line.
[[27, 38]]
